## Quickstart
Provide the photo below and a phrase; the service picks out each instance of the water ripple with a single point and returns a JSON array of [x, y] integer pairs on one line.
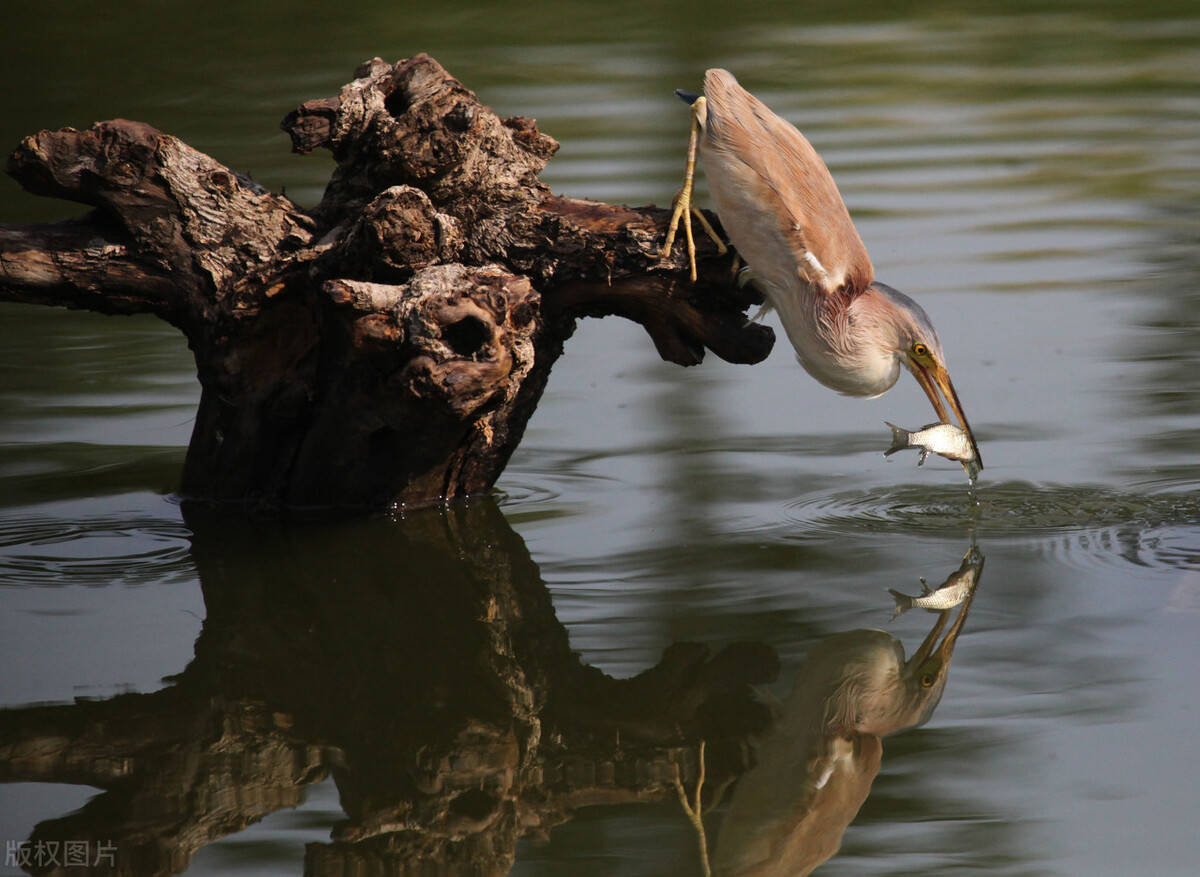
[[41, 551], [515, 493], [1078, 525]]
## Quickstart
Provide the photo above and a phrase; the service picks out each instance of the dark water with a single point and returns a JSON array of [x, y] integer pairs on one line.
[[1030, 173]]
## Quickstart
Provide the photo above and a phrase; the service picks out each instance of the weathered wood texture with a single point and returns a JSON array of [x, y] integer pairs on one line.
[[388, 346]]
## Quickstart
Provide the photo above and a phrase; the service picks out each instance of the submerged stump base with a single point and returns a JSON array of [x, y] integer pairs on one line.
[[388, 346]]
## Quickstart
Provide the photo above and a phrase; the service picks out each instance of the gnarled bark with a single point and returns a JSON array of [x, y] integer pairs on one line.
[[389, 345]]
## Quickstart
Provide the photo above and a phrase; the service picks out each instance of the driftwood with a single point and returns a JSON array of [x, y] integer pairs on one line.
[[435, 684], [388, 346]]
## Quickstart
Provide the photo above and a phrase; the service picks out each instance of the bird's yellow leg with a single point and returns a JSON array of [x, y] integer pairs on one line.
[[695, 811], [683, 200], [684, 208], [708, 229]]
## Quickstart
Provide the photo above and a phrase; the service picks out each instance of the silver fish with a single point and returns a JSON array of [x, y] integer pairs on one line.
[[958, 585], [951, 441]]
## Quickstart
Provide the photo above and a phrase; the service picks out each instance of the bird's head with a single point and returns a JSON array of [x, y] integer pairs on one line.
[[874, 690], [916, 346]]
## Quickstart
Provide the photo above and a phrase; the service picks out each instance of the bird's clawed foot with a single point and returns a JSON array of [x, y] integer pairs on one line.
[[684, 208]]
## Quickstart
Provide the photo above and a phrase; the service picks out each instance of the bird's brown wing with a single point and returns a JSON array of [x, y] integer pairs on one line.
[[783, 175]]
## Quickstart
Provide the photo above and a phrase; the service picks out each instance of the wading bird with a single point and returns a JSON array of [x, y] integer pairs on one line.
[[784, 215]]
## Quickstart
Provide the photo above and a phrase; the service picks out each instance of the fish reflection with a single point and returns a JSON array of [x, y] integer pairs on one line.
[[816, 763], [949, 593]]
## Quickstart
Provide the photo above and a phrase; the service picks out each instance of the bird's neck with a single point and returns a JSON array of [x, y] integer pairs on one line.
[[841, 344]]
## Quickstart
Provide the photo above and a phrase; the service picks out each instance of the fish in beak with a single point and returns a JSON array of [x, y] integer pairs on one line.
[[935, 381]]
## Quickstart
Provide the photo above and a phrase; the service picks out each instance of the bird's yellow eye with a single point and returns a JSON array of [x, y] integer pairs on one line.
[[920, 350], [927, 680]]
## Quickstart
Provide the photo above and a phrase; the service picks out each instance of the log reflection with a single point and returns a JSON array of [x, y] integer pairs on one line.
[[420, 664]]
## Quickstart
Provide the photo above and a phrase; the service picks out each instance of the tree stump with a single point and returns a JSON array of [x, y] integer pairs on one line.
[[388, 346]]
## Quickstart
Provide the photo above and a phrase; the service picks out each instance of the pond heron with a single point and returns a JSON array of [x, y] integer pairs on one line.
[[782, 212]]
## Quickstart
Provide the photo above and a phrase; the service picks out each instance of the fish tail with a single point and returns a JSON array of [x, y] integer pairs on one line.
[[903, 603], [899, 439]]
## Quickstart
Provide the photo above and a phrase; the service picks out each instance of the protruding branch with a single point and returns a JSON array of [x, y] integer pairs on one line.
[[65, 263]]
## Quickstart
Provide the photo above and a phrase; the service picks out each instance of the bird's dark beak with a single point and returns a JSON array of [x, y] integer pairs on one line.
[[935, 381]]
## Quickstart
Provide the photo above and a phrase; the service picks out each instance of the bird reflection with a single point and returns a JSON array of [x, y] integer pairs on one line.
[[817, 761]]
